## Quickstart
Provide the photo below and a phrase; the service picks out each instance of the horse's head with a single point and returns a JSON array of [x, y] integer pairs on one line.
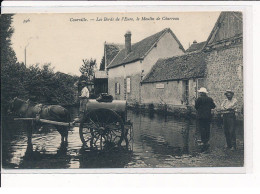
[[17, 106]]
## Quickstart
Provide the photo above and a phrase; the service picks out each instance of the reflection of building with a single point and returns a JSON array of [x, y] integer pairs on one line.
[[216, 64], [131, 64]]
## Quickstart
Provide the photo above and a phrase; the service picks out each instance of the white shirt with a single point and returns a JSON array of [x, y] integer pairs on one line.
[[85, 92], [229, 104]]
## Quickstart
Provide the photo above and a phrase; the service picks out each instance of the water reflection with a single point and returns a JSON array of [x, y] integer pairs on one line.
[[35, 158], [113, 158], [158, 141]]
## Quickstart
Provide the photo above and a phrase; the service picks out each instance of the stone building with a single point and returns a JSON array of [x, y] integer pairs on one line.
[[225, 60], [216, 64], [131, 64]]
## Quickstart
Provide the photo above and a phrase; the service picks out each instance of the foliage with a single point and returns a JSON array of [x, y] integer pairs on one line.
[[102, 64], [48, 87], [9, 63], [7, 54], [88, 68], [39, 84]]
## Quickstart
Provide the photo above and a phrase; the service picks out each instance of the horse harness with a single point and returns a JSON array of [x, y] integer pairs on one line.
[[38, 109]]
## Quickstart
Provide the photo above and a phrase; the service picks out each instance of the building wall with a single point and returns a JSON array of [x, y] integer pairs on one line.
[[171, 94], [166, 47], [119, 74], [225, 71]]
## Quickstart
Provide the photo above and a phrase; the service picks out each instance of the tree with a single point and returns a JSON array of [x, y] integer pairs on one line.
[[39, 84], [102, 64], [88, 69], [12, 73], [7, 54]]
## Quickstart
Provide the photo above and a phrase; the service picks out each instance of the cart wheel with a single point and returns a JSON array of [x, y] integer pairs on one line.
[[102, 128]]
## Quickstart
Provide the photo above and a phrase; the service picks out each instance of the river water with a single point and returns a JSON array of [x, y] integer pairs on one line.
[[158, 141]]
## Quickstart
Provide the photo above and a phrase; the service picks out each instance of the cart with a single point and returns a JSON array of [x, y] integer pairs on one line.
[[105, 125]]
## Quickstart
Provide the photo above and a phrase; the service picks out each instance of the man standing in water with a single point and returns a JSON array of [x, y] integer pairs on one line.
[[228, 108], [203, 105]]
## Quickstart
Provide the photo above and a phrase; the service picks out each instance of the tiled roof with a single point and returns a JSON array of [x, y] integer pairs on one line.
[[196, 46], [190, 65], [111, 50], [140, 49]]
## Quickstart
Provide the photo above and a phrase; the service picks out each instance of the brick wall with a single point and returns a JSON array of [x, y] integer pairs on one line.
[[224, 71]]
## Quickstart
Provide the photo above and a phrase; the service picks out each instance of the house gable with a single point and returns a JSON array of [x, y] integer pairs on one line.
[[167, 46], [141, 49], [228, 28], [110, 51]]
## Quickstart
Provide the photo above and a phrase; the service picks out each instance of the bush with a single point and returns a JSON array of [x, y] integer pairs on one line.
[[151, 107], [39, 84], [162, 108]]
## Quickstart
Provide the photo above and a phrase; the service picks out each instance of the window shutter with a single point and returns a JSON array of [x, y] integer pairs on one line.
[[128, 85], [117, 88]]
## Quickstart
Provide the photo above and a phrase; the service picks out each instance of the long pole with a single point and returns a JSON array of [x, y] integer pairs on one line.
[[25, 56]]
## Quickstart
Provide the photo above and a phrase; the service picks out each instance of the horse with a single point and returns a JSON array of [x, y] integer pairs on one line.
[[28, 109]]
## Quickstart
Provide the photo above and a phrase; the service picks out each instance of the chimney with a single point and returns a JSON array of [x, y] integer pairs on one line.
[[128, 45], [195, 42]]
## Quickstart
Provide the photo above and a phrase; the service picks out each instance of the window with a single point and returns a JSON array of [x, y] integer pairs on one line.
[[128, 85], [117, 88]]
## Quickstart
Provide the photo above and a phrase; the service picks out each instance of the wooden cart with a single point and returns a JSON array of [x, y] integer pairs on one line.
[[105, 124]]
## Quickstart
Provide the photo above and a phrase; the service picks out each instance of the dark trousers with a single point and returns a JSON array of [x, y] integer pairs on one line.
[[204, 128], [229, 121]]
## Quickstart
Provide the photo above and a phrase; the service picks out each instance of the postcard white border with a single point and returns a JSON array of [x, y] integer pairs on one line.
[[65, 7]]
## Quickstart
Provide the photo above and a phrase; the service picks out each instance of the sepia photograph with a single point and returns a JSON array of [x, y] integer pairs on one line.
[[122, 90]]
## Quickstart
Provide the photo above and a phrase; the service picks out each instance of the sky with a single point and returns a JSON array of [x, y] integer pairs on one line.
[[64, 40]]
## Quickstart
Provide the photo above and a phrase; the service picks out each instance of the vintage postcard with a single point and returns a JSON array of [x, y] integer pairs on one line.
[[150, 90]]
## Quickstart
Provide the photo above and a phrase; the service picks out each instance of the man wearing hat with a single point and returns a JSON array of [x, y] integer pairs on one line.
[[203, 105], [229, 107]]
